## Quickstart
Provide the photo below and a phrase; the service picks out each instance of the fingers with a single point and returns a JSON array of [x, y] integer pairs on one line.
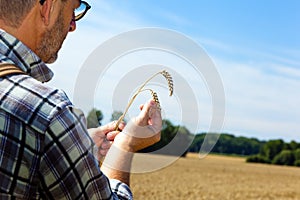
[[121, 126], [111, 135], [102, 131], [107, 127], [103, 149], [143, 118], [103, 137]]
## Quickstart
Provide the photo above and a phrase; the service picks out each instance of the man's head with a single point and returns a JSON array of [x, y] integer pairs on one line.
[[12, 12], [41, 24]]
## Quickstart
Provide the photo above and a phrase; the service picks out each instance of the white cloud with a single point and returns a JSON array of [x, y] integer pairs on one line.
[[260, 102], [293, 73], [173, 18]]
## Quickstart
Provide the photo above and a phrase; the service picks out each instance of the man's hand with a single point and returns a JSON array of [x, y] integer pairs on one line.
[[139, 133], [103, 137], [143, 130]]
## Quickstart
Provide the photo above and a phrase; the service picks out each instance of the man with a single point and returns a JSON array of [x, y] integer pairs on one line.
[[45, 148]]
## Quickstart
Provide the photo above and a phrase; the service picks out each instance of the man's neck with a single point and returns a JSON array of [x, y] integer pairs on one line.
[[27, 32]]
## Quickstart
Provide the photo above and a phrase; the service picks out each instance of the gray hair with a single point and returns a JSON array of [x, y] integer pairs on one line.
[[13, 12]]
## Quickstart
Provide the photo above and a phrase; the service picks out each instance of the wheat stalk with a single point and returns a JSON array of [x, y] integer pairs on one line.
[[154, 96], [169, 79]]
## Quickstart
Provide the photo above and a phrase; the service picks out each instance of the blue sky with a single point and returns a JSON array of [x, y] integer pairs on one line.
[[255, 46]]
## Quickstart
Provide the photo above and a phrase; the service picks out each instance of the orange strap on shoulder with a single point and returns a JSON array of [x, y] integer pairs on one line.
[[9, 69]]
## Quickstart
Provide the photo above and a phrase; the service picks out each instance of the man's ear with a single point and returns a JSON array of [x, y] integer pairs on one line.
[[46, 11]]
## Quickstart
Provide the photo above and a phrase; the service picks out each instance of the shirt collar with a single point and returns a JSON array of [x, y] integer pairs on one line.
[[14, 51]]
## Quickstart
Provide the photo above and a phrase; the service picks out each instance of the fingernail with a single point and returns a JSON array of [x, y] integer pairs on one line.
[[152, 103], [109, 135]]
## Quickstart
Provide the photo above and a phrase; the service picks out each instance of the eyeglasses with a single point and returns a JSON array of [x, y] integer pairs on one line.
[[78, 12], [81, 10]]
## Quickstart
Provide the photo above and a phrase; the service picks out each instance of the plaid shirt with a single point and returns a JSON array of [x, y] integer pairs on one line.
[[45, 150]]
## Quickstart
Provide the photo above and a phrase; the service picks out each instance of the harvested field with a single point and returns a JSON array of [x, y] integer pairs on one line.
[[215, 177]]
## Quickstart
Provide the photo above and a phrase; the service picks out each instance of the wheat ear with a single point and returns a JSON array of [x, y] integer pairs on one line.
[[169, 79], [154, 96]]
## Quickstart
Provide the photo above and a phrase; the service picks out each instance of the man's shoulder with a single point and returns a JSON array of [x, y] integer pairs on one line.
[[31, 101]]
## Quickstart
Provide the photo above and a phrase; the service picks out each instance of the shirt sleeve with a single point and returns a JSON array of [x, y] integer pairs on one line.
[[121, 189], [68, 168]]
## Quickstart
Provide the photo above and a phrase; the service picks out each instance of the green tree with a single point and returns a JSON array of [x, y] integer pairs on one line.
[[293, 145], [229, 144], [175, 140], [182, 142], [116, 115], [285, 157], [167, 134], [257, 159], [297, 157], [94, 118], [197, 142], [272, 148], [297, 154]]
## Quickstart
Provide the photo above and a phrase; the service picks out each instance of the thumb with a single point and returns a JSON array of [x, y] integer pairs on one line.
[[143, 117]]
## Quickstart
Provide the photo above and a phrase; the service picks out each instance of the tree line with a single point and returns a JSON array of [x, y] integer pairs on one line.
[[278, 152], [229, 144], [178, 141]]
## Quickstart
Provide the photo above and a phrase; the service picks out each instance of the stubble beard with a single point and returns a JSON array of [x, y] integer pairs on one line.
[[52, 41]]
